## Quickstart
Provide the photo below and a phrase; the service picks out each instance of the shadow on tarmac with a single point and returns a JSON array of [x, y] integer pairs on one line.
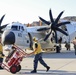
[[43, 72]]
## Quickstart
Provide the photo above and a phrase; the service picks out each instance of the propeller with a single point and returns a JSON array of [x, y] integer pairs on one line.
[[3, 26], [43, 29], [53, 24]]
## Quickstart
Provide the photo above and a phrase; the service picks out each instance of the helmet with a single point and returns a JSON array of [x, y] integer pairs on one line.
[[35, 39]]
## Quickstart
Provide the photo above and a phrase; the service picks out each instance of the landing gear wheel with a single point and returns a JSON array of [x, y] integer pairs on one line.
[[18, 68], [13, 69]]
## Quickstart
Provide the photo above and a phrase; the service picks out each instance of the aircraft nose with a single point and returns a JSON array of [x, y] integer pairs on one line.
[[8, 38]]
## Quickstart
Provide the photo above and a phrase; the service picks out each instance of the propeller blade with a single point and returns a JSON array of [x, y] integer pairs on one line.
[[43, 29], [62, 23], [3, 26], [47, 36], [51, 17], [2, 19], [46, 22], [57, 19], [60, 30]]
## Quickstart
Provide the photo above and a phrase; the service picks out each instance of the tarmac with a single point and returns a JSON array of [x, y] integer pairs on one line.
[[63, 63]]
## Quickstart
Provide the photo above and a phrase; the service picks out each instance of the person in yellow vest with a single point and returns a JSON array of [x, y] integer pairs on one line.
[[38, 56], [1, 54]]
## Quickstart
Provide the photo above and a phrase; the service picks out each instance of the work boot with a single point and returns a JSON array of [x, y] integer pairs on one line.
[[33, 71], [47, 69]]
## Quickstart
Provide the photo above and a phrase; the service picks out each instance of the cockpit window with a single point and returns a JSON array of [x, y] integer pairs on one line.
[[22, 28], [17, 28], [14, 27]]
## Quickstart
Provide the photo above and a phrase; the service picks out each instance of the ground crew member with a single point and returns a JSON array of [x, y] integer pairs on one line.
[[74, 42], [67, 45], [1, 54], [38, 56]]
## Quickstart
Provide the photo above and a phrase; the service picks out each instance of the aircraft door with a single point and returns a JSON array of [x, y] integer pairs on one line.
[[26, 39]]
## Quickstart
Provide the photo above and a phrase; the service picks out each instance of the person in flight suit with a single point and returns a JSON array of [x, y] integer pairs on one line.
[[38, 56]]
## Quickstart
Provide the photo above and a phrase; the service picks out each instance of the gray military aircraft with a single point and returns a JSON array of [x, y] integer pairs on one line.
[[19, 34]]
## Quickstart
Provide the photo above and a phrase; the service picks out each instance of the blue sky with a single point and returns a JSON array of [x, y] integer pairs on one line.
[[27, 11]]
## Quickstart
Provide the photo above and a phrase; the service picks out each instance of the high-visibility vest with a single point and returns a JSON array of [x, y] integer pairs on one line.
[[1, 50], [38, 49]]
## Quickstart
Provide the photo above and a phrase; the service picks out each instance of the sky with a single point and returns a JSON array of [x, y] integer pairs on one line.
[[27, 11]]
